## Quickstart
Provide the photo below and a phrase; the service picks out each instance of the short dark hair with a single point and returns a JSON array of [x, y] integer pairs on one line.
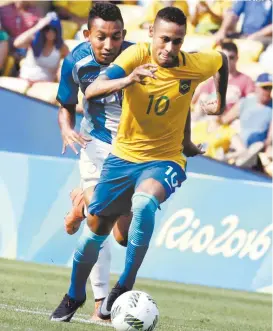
[[172, 14], [229, 46], [105, 10]]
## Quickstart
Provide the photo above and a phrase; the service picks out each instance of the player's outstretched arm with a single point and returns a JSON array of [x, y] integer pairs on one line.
[[115, 80], [218, 106], [66, 120], [189, 148]]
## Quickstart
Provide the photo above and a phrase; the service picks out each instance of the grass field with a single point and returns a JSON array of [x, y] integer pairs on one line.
[[29, 292]]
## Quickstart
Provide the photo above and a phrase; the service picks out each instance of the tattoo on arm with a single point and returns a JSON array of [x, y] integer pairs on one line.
[[221, 83]]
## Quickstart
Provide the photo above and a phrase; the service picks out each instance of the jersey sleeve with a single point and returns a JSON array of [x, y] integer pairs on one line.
[[238, 7], [209, 63], [125, 63], [68, 88]]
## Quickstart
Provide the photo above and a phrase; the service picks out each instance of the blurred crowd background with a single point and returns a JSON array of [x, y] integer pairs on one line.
[[36, 35]]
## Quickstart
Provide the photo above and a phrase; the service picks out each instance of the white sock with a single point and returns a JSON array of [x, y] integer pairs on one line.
[[100, 274]]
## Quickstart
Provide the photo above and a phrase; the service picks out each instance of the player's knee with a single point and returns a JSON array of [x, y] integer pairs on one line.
[[101, 225], [144, 202], [144, 207]]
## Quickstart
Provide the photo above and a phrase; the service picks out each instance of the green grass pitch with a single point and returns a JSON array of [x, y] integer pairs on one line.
[[29, 292]]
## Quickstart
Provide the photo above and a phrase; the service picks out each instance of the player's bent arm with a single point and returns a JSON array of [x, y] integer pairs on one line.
[[67, 117], [104, 86], [115, 79], [187, 130], [221, 83], [189, 148]]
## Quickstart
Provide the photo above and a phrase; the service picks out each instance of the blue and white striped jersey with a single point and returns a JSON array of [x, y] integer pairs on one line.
[[101, 115]]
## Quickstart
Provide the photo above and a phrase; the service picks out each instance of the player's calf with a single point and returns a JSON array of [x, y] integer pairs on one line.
[[121, 229], [76, 215]]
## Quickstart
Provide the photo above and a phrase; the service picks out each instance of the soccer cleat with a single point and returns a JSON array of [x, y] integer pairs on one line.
[[95, 316], [76, 215], [104, 311], [66, 309]]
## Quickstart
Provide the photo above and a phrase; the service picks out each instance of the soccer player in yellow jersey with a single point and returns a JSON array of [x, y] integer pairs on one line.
[[146, 165]]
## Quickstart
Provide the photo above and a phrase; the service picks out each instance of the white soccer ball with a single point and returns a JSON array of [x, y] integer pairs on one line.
[[134, 311]]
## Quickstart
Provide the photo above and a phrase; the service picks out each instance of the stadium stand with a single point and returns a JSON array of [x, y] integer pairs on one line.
[[204, 20]]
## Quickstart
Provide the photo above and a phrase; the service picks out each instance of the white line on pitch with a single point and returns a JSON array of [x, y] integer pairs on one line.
[[46, 313]]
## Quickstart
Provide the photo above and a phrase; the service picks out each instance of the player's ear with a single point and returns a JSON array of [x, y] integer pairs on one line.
[[124, 32], [151, 30], [86, 34]]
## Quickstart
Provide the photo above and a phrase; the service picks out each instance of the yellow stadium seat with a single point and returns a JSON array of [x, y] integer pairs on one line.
[[72, 43], [45, 91], [197, 43], [10, 61], [252, 69], [217, 140], [132, 15], [69, 29], [139, 35], [249, 50], [15, 84]]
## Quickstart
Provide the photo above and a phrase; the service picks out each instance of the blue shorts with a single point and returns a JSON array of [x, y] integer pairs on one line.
[[119, 179]]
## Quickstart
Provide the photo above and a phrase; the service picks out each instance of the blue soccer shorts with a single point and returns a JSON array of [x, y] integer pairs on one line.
[[119, 179]]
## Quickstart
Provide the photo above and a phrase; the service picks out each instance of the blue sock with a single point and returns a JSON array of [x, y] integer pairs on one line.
[[141, 229], [85, 257]]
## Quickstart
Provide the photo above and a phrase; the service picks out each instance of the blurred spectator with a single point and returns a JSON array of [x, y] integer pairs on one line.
[[266, 156], [45, 49], [4, 48], [239, 84], [207, 17], [76, 11], [255, 114], [43, 6], [257, 21], [18, 17], [266, 56], [157, 5]]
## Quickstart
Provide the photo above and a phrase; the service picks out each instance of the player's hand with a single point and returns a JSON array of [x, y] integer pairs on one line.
[[219, 37], [141, 72], [43, 22], [190, 149], [210, 107], [70, 138]]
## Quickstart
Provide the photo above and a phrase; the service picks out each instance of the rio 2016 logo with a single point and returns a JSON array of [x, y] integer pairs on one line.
[[189, 235]]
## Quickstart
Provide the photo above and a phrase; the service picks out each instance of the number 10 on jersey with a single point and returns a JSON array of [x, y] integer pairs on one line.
[[159, 106]]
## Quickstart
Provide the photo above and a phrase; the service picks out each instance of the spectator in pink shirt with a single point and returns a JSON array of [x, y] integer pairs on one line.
[[239, 84], [18, 17]]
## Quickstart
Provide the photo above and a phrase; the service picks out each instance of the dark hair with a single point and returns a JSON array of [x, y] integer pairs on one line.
[[39, 39], [172, 14], [229, 46], [105, 10]]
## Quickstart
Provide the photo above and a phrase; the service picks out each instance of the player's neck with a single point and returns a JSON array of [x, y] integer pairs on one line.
[[234, 73]]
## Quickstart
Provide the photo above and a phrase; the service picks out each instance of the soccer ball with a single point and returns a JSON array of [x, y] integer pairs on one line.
[[134, 311]]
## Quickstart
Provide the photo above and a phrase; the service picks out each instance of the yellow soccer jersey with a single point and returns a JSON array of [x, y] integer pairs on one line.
[[154, 115]]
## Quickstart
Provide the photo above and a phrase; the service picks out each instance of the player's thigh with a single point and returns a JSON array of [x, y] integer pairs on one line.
[[91, 163], [113, 193], [161, 179]]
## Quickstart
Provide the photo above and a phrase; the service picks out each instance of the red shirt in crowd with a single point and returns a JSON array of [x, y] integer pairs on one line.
[[15, 21], [239, 86]]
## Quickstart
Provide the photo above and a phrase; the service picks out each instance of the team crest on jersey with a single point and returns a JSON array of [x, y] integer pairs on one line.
[[184, 86]]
